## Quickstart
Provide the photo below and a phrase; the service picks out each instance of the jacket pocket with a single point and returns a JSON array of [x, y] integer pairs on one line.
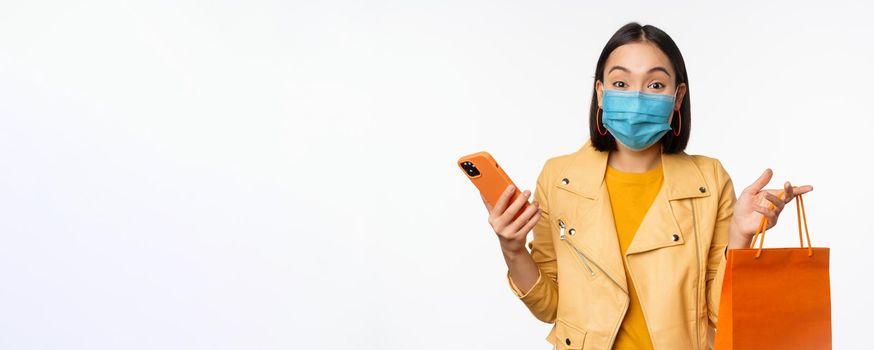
[[565, 336]]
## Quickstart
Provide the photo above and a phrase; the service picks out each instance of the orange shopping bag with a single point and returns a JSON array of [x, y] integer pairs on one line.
[[776, 298]]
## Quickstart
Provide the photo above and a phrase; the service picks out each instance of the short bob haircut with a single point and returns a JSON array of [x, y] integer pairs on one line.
[[632, 33]]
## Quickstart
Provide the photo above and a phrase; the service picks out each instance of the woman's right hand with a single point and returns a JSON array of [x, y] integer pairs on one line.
[[512, 233]]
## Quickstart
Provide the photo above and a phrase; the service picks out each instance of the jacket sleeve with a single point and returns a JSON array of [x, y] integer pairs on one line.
[[717, 255], [542, 298]]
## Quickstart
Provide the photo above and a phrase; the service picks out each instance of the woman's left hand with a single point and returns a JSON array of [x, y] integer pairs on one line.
[[754, 202]]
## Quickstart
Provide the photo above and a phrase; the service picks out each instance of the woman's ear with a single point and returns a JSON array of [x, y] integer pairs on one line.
[[598, 91], [681, 92]]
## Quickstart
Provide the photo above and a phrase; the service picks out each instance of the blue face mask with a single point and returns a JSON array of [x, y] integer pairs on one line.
[[637, 119]]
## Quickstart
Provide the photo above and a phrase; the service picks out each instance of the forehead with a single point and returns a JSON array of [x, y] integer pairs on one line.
[[638, 57]]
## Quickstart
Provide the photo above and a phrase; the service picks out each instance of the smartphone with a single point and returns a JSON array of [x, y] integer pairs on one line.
[[489, 178]]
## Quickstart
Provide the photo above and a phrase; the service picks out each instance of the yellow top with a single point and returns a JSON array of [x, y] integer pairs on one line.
[[631, 195]]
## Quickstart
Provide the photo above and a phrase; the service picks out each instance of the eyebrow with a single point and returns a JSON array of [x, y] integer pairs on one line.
[[654, 69]]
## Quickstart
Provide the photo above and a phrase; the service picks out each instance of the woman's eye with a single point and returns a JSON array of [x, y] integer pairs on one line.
[[619, 84], [656, 85]]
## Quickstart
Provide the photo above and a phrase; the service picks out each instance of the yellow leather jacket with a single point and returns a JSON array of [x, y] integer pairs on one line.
[[676, 259]]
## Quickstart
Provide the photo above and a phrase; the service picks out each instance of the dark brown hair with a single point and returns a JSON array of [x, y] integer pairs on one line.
[[632, 33]]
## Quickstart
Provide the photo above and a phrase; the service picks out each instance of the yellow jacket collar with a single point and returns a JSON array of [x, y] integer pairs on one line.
[[682, 179]]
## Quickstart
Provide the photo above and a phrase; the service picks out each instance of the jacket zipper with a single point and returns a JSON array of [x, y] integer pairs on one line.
[[698, 264], [561, 236]]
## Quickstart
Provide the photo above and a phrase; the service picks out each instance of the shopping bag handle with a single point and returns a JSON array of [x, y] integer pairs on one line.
[[799, 208]]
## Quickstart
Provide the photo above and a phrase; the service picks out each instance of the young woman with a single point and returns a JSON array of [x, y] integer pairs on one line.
[[630, 232]]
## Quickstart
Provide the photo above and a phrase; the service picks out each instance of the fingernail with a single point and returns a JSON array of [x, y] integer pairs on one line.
[[510, 188]]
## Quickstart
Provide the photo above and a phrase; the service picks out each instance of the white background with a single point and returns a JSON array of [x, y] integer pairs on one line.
[[281, 175]]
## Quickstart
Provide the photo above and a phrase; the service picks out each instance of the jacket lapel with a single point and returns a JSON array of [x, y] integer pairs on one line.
[[669, 214], [598, 239]]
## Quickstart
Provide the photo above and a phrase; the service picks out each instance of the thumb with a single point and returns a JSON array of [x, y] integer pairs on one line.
[[760, 183]]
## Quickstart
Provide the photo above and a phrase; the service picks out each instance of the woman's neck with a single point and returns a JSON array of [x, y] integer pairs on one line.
[[628, 161]]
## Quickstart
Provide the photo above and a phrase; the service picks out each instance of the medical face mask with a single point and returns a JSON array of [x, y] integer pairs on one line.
[[637, 119]]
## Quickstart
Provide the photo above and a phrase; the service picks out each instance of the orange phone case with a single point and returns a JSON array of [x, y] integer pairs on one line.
[[491, 180]]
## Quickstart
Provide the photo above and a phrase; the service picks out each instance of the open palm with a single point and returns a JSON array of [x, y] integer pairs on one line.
[[754, 203]]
